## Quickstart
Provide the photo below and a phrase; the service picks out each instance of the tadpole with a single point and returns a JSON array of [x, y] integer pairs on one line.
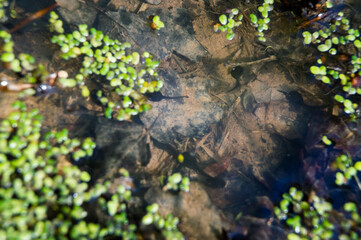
[[158, 96]]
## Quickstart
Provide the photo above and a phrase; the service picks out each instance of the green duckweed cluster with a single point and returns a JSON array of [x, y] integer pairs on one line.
[[39, 199], [261, 22], [168, 225], [156, 24], [227, 23], [3, 4], [312, 217], [307, 218], [339, 43], [234, 19], [176, 182], [23, 65], [347, 169], [124, 77], [308, 215]]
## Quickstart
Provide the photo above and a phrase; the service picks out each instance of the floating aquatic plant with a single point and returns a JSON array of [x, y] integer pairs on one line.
[[168, 225], [312, 217], [33, 77], [156, 23], [261, 22], [127, 75], [326, 140], [39, 199], [227, 23], [177, 182], [3, 5], [307, 218], [347, 170], [234, 19], [339, 42]]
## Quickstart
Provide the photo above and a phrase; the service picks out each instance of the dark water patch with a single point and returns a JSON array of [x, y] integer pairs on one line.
[[120, 145]]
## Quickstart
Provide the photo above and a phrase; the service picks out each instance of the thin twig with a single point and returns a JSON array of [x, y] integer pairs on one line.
[[33, 17], [262, 60]]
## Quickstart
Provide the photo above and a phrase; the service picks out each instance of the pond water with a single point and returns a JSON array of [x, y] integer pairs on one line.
[[238, 111]]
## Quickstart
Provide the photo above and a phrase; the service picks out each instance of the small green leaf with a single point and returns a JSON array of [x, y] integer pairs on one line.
[[335, 40], [347, 103], [7, 57], [253, 18], [67, 82], [350, 207], [357, 43], [339, 98], [223, 19], [307, 37], [262, 39], [235, 11], [85, 176], [343, 78], [160, 25], [350, 38], [108, 112], [357, 166], [230, 23], [315, 70], [156, 19], [326, 141], [329, 4], [85, 91], [147, 219], [112, 207], [323, 70], [153, 208], [293, 236], [323, 47], [230, 36], [175, 178], [284, 205], [333, 51], [350, 172], [326, 79]]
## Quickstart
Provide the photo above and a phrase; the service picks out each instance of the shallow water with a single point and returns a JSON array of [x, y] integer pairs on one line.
[[240, 121]]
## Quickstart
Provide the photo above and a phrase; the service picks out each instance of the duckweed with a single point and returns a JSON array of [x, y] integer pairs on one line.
[[227, 23], [339, 42], [168, 225], [3, 5], [39, 199], [347, 170], [129, 75], [156, 23], [312, 217], [176, 182], [32, 76], [234, 19], [261, 22]]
